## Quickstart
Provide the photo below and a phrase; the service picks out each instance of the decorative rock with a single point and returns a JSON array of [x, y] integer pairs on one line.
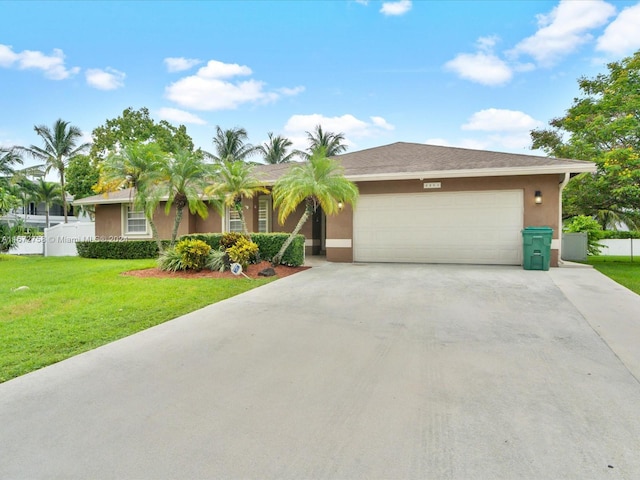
[[267, 272]]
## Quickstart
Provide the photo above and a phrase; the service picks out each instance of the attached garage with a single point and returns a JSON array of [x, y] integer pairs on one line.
[[444, 227]]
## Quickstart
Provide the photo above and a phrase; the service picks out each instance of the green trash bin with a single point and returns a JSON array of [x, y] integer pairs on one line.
[[536, 248]]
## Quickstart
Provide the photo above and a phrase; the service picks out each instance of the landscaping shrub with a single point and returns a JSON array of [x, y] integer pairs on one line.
[[170, 261], [134, 249], [242, 251], [582, 223], [620, 234], [268, 245], [194, 253], [217, 260], [229, 239]]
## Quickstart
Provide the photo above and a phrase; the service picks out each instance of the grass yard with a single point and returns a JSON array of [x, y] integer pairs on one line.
[[620, 269], [75, 304]]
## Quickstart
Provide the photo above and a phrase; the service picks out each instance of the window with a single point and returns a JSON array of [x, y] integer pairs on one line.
[[136, 222], [234, 223], [264, 214]]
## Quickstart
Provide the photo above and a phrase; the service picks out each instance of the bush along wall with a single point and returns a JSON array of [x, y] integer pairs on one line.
[[134, 249], [268, 244], [620, 234]]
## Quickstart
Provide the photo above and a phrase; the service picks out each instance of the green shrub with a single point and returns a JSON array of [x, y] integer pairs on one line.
[[242, 251], [217, 260], [194, 253], [229, 239], [582, 223], [268, 245], [170, 261], [126, 249], [621, 234]]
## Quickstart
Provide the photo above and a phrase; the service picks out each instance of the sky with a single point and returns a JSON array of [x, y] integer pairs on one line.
[[473, 74]]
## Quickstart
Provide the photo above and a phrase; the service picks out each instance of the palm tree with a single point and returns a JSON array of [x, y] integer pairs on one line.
[[48, 193], [139, 166], [275, 150], [8, 159], [234, 180], [333, 143], [318, 182], [231, 145], [60, 146], [184, 178]]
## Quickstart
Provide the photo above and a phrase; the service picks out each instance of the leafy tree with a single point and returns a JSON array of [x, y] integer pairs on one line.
[[275, 151], [139, 166], [60, 146], [82, 176], [233, 181], [319, 182], [602, 126], [48, 193], [231, 145], [582, 223], [184, 176], [137, 126], [8, 201], [332, 143]]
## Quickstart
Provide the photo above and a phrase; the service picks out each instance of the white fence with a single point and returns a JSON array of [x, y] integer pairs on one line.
[[622, 247], [28, 246], [60, 240]]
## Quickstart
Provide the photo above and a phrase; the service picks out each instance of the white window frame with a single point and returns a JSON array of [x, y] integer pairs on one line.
[[127, 208], [228, 220], [266, 200]]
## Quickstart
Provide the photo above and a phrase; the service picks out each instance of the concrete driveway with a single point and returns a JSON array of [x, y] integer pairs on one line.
[[351, 371]]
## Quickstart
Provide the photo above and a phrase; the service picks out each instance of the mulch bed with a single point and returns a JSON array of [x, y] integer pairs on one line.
[[251, 272]]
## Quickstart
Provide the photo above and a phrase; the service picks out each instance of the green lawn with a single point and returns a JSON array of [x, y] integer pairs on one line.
[[620, 269], [75, 304]]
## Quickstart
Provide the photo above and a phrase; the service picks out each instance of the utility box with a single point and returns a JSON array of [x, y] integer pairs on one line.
[[536, 248]]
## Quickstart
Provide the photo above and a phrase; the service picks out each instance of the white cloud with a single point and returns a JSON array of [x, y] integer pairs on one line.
[[563, 30], [179, 64], [622, 36], [481, 67], [107, 79], [180, 116], [52, 65], [494, 119], [352, 127], [396, 8], [213, 88]]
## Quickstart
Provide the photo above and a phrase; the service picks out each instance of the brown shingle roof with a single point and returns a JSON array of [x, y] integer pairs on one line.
[[404, 160]]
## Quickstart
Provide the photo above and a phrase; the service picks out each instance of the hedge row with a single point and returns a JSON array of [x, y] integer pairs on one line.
[[620, 234], [268, 244], [134, 249]]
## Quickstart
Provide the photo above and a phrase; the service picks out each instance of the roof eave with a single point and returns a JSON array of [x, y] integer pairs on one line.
[[485, 172]]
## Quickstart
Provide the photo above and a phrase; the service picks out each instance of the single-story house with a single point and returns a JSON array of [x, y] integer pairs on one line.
[[418, 203]]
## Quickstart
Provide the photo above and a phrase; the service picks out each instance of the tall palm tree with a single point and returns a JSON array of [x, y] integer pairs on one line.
[[231, 144], [24, 190], [60, 146], [275, 150], [333, 143], [48, 193], [233, 181], [141, 167], [319, 182], [184, 178]]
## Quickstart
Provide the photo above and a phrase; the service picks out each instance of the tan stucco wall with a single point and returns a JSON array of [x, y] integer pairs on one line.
[[340, 227], [108, 221]]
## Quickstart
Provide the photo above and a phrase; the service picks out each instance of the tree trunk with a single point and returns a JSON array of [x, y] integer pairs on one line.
[[176, 224], [238, 207], [46, 211], [308, 211], [154, 234], [64, 196]]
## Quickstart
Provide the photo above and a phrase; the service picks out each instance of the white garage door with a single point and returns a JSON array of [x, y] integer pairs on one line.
[[459, 227]]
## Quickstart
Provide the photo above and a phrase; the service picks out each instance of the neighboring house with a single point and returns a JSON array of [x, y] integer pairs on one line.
[[34, 215], [418, 204]]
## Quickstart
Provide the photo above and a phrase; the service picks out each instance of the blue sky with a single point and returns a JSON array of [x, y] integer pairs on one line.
[[463, 73]]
